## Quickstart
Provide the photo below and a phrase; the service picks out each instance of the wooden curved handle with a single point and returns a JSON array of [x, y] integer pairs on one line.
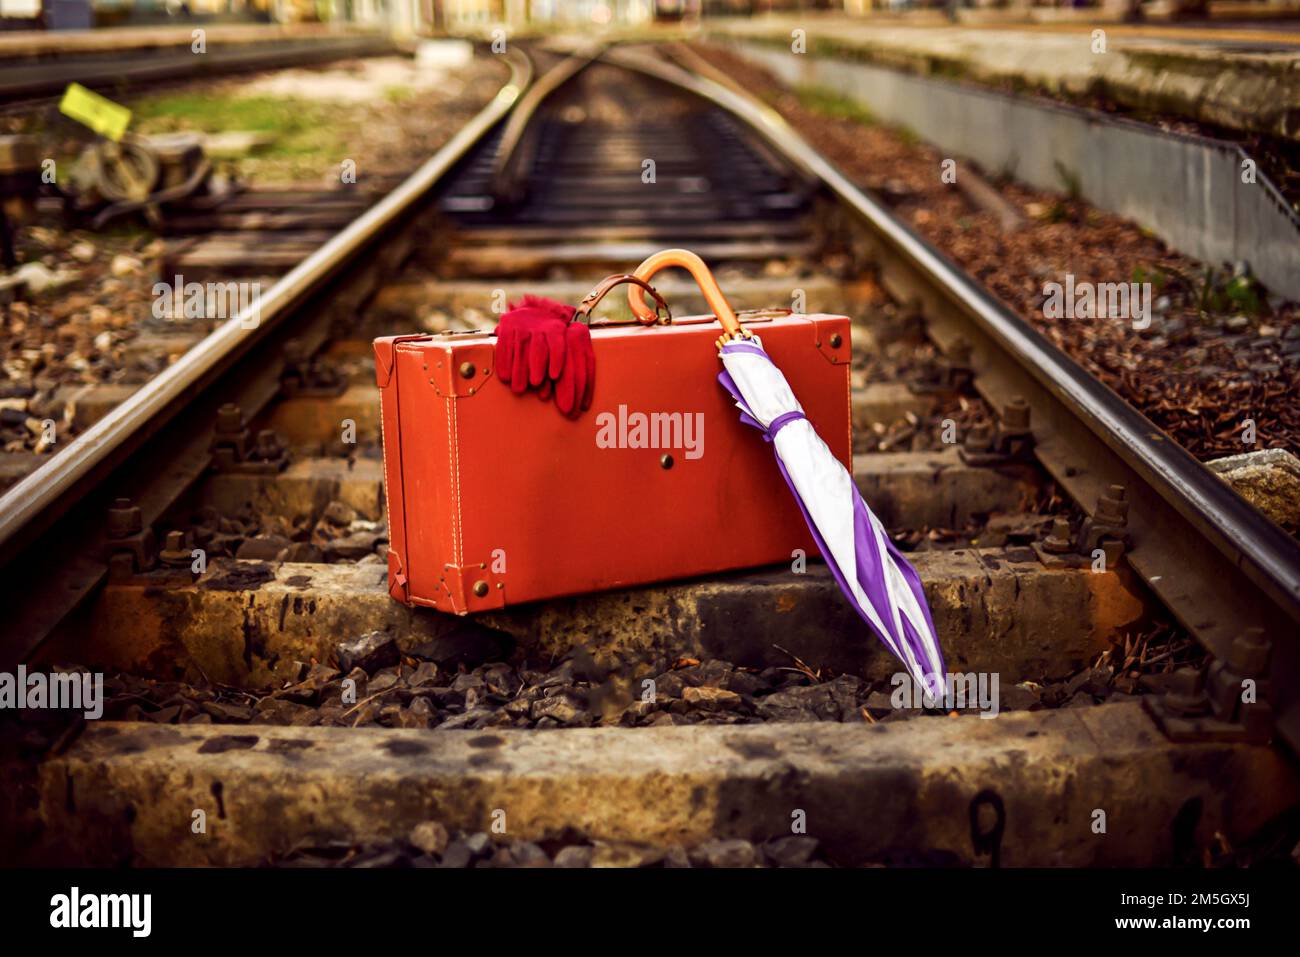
[[698, 270]]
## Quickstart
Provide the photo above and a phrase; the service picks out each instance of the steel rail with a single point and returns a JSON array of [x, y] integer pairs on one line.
[[39, 499], [1196, 507], [513, 156], [1273, 558]]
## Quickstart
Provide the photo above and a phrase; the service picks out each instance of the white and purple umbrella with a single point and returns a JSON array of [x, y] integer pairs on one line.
[[878, 581]]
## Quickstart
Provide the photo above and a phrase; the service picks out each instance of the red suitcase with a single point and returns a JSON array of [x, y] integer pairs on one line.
[[495, 498]]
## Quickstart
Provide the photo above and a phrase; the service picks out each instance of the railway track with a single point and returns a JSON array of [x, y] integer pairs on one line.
[[772, 701], [28, 81]]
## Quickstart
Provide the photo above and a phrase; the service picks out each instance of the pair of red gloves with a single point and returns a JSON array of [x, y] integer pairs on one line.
[[539, 346]]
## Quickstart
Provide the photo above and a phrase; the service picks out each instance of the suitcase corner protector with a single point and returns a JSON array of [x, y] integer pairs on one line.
[[474, 587], [835, 345]]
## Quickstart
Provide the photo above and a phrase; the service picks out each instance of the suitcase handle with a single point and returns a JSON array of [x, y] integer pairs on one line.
[[592, 298], [699, 272]]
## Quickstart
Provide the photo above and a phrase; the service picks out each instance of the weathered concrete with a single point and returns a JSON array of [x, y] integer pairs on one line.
[[937, 489], [90, 403], [1241, 87], [886, 403], [427, 303], [895, 792], [995, 610], [905, 489], [301, 490], [308, 420], [1186, 189]]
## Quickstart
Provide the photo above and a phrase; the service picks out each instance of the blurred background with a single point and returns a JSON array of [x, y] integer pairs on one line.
[[437, 16]]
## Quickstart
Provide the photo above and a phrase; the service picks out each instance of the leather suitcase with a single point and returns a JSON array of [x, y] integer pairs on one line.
[[496, 499]]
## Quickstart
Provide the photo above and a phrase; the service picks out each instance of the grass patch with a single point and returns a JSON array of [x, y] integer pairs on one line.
[[306, 133], [833, 105]]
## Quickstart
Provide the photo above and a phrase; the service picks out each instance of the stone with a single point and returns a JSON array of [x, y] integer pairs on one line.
[[478, 843], [1018, 698], [279, 711], [167, 715], [500, 678], [801, 703], [1124, 685], [670, 684], [369, 652], [518, 707], [309, 689], [744, 682], [467, 682], [559, 707], [303, 552], [457, 855], [448, 697], [395, 716], [378, 859], [1098, 683], [713, 672], [338, 514], [39, 279], [575, 855], [1268, 479], [794, 850], [528, 854], [638, 709], [730, 853], [470, 719], [227, 713], [425, 674], [676, 858], [624, 854], [263, 548], [351, 547], [123, 265], [711, 699], [430, 837], [879, 702], [465, 643]]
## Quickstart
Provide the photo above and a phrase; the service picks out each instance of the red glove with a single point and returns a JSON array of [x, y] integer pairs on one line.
[[539, 346], [530, 342], [578, 378]]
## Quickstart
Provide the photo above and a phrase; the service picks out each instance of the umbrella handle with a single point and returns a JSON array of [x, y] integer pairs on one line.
[[704, 279]]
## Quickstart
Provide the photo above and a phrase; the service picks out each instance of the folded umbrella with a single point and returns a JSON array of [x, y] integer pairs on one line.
[[878, 581]]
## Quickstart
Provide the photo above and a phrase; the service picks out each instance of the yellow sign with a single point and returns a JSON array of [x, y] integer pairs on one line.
[[89, 108]]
